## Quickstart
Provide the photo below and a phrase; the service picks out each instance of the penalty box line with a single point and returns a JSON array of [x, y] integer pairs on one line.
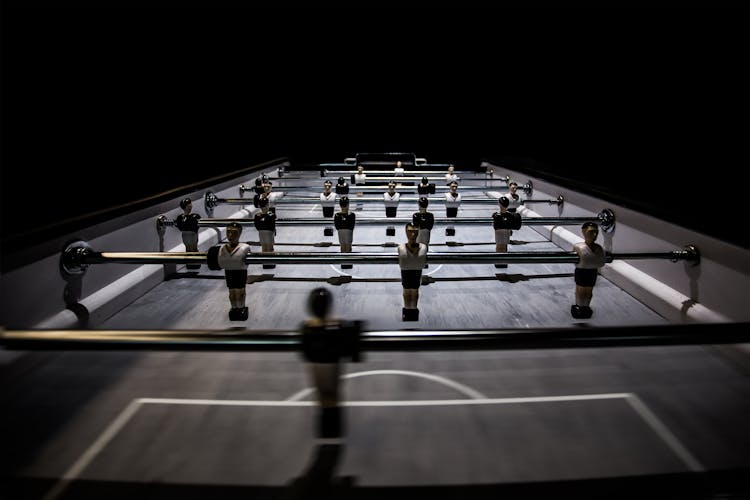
[[119, 422]]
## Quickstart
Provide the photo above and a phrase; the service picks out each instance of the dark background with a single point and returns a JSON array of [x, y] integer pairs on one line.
[[648, 102]]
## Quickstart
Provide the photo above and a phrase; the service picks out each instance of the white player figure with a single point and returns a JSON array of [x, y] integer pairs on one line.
[[271, 195], [452, 202], [360, 177], [514, 197], [328, 199], [399, 170], [591, 257], [391, 199], [412, 257], [450, 176], [231, 258]]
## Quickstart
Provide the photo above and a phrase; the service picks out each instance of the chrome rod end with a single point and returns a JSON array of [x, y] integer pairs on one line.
[[692, 255], [72, 257], [607, 220], [210, 200]]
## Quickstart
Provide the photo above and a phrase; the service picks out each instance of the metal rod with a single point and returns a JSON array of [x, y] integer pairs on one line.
[[434, 257], [417, 179], [352, 199], [286, 178], [557, 201], [526, 188], [353, 164], [411, 178], [92, 257], [389, 172], [387, 244], [374, 187], [382, 340], [689, 253], [528, 221], [412, 189], [88, 256], [144, 258], [76, 258]]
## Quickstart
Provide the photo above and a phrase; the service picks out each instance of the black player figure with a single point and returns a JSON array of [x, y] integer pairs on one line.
[[425, 187], [424, 220], [342, 187], [326, 341], [504, 222], [258, 188], [265, 223], [344, 222], [187, 222]]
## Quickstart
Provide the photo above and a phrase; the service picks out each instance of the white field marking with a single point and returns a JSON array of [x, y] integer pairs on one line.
[[420, 402], [119, 422], [92, 451], [363, 278], [664, 433], [486, 401], [345, 274], [222, 402], [433, 270], [461, 388]]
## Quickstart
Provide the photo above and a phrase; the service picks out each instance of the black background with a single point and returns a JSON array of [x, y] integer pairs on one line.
[[647, 101]]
